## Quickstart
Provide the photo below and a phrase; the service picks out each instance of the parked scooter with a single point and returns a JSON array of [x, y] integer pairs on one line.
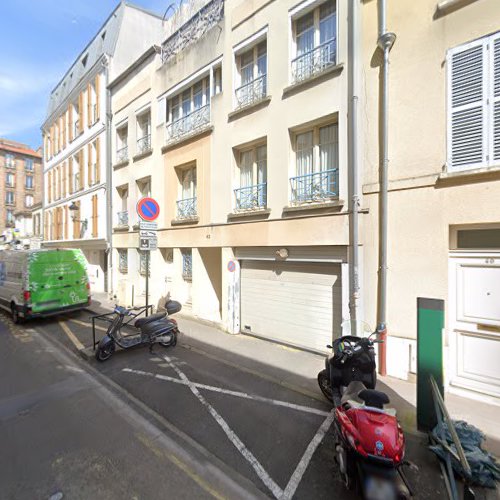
[[370, 443], [157, 328]]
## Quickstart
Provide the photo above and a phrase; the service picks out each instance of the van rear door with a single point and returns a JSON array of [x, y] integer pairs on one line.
[[57, 279]]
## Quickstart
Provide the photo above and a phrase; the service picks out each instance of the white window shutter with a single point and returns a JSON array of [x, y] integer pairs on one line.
[[495, 97], [467, 106]]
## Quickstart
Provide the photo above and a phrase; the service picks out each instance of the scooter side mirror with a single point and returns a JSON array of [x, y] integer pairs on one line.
[[329, 346]]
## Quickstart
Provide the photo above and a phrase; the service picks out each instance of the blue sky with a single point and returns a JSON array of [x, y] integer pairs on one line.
[[39, 40]]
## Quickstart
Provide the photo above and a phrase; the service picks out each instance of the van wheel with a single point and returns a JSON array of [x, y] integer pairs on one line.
[[15, 314]]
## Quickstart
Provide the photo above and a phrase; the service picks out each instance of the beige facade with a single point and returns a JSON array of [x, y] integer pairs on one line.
[[440, 183], [21, 181], [248, 162]]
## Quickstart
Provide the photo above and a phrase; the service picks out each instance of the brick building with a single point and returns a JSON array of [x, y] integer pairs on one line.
[[20, 181]]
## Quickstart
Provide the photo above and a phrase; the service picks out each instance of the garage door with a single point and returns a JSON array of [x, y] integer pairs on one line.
[[296, 303]]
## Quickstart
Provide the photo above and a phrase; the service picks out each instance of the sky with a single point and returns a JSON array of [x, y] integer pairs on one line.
[[39, 40]]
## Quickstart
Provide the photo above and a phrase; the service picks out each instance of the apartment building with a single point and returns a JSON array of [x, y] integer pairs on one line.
[[244, 109], [76, 140], [444, 180], [20, 183]]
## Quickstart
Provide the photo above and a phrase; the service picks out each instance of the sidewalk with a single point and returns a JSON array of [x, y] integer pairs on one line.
[[298, 370]]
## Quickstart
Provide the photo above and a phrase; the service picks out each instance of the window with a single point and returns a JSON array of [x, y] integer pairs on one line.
[[29, 182], [187, 264], [144, 132], [9, 197], [28, 163], [316, 165], [123, 260], [10, 161], [122, 144], [122, 215], [9, 179], [189, 111], [28, 201], [252, 192], [187, 204], [143, 263], [474, 104], [252, 66], [315, 41], [10, 217]]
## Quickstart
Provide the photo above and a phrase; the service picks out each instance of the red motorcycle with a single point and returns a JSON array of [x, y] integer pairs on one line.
[[370, 443]]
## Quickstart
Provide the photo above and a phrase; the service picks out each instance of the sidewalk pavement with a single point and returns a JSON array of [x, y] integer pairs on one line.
[[297, 370]]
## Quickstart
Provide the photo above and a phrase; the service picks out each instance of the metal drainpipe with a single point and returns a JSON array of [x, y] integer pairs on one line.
[[353, 175], [385, 42], [109, 200]]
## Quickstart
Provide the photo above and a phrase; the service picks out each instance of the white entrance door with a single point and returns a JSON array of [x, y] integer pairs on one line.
[[475, 322], [295, 302]]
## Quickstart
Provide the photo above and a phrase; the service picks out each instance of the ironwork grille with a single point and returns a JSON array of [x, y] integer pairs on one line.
[[252, 91], [251, 197], [314, 61], [187, 264], [122, 218], [144, 144], [122, 154], [189, 124], [186, 208], [315, 187]]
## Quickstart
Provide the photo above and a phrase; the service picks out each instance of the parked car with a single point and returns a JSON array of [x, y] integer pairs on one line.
[[39, 283]]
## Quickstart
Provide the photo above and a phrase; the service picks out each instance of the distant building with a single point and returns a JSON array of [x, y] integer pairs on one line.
[[20, 182], [76, 196]]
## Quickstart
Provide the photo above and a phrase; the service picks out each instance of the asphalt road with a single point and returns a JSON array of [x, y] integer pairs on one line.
[[236, 434]]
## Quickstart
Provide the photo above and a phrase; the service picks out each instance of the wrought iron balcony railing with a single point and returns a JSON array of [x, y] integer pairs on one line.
[[251, 197], [189, 124], [122, 218], [122, 154], [144, 144], [319, 186], [252, 91], [314, 61], [186, 209]]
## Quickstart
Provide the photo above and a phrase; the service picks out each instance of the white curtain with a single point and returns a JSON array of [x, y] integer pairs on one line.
[[246, 169], [328, 147], [304, 153], [261, 154]]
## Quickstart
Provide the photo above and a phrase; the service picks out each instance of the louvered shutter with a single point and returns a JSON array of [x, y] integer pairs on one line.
[[64, 180], [97, 96], [97, 161], [89, 105], [66, 222], [82, 169], [80, 113], [49, 185], [467, 106], [495, 110], [70, 175], [70, 122], [89, 164], [94, 216]]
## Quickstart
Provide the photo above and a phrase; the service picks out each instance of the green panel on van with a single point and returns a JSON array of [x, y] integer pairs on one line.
[[56, 279]]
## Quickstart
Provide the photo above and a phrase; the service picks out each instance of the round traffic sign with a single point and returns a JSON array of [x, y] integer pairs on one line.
[[148, 209], [231, 266]]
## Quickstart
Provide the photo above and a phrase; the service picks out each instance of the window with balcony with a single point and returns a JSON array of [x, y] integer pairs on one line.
[[252, 70], [122, 215], [252, 191], [189, 111], [123, 260], [28, 164], [187, 203], [28, 201], [122, 144], [316, 165], [10, 161], [144, 132], [187, 264], [29, 182], [315, 42], [144, 268], [9, 198], [10, 179]]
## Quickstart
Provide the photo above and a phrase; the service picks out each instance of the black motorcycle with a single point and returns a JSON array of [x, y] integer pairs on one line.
[[157, 328]]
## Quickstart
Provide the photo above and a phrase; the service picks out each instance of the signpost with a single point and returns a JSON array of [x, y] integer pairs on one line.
[[148, 210]]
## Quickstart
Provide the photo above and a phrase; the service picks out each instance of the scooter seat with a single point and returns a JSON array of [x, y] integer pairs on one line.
[[149, 319], [373, 398]]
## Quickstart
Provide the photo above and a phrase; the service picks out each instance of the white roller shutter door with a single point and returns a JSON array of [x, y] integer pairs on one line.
[[294, 302]]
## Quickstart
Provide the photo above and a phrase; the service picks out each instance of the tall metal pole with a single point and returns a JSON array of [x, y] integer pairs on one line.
[[353, 177], [147, 281], [385, 42]]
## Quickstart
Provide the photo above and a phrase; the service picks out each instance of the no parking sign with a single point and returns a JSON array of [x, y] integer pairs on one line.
[[148, 209]]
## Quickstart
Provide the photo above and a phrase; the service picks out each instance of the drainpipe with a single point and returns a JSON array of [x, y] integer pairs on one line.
[[353, 175], [109, 190], [385, 42]]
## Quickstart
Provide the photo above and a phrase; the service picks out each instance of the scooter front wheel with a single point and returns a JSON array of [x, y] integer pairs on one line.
[[172, 343], [104, 352], [324, 385]]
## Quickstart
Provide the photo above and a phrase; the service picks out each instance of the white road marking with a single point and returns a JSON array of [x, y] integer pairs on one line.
[[294, 482], [247, 454], [237, 394]]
